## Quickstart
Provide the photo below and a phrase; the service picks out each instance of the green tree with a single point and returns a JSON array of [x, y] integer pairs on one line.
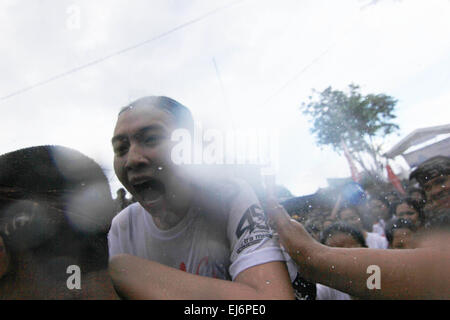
[[355, 119]]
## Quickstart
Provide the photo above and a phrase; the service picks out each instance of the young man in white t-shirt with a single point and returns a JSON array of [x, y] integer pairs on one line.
[[215, 232], [350, 214]]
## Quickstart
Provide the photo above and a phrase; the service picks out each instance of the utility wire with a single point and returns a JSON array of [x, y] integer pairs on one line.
[[298, 74], [315, 60], [222, 88], [119, 52]]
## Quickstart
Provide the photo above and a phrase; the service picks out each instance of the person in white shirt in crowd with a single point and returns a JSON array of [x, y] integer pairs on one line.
[[351, 215], [379, 208]]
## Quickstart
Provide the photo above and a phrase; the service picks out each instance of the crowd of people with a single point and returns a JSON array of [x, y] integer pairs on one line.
[[381, 219], [375, 216], [180, 237]]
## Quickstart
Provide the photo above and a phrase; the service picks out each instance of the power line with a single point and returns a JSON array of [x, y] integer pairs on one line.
[[314, 61], [119, 52], [222, 87], [298, 74]]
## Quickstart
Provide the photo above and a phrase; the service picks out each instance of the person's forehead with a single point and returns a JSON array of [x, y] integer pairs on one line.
[[404, 206], [136, 118], [439, 180]]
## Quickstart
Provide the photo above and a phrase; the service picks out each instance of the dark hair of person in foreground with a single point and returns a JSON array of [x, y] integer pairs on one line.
[[55, 211]]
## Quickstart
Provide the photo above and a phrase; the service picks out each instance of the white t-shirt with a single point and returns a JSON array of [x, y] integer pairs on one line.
[[379, 227], [327, 293], [375, 241], [220, 242]]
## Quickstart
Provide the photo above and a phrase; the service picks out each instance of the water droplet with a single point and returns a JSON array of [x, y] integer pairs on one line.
[[160, 168], [332, 267], [267, 282]]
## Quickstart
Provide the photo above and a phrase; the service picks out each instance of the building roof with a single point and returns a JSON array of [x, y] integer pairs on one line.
[[416, 137]]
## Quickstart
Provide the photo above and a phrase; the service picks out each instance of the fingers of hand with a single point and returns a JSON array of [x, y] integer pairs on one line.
[[277, 215]]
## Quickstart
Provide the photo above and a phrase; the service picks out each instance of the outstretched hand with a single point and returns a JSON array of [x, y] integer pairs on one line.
[[293, 236]]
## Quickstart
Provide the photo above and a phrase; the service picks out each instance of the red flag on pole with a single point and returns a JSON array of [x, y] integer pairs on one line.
[[394, 179], [355, 174]]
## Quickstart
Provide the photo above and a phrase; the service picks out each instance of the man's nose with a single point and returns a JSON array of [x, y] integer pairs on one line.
[[136, 158]]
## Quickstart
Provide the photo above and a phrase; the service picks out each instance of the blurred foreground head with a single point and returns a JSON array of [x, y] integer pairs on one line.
[[55, 211]]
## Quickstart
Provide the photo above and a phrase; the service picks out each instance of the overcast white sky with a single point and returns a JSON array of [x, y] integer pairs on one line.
[[269, 56]]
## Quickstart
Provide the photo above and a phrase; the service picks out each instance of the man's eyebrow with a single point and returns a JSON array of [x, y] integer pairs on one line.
[[140, 132], [118, 138], [439, 180], [152, 127]]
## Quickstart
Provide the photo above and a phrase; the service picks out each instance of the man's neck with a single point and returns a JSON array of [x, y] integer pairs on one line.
[[168, 219], [170, 214]]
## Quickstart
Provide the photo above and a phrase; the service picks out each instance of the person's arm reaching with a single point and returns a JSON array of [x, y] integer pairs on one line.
[[405, 274], [137, 278]]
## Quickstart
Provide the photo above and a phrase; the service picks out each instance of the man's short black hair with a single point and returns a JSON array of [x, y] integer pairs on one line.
[[183, 117], [55, 201], [395, 224], [341, 227], [430, 169]]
